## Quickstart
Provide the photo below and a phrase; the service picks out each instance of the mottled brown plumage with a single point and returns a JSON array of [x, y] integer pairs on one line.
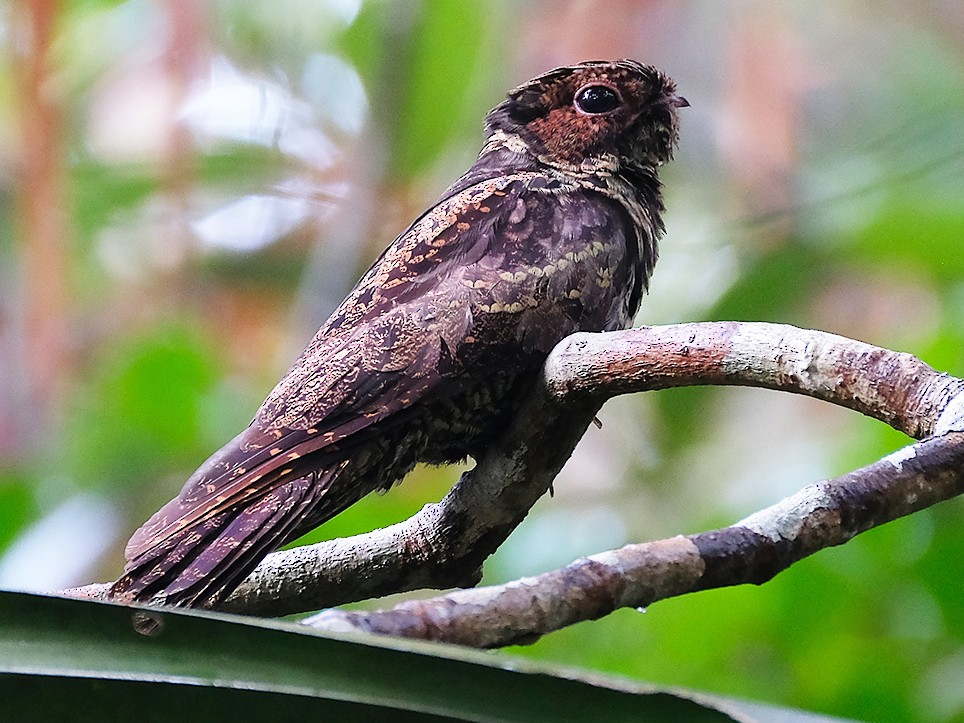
[[552, 231]]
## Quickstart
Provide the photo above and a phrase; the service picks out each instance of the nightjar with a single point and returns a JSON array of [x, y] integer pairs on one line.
[[552, 230]]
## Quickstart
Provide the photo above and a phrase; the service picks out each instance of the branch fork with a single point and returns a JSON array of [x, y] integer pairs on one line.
[[445, 544]]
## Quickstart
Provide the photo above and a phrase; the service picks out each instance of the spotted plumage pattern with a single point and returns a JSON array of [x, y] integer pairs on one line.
[[552, 231]]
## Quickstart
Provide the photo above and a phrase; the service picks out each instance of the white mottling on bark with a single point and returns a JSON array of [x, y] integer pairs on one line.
[[900, 456], [797, 355], [785, 520], [331, 621], [952, 418], [568, 361], [752, 349], [484, 596], [610, 558]]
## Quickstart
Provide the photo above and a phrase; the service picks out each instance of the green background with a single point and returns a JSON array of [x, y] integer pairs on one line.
[[223, 174]]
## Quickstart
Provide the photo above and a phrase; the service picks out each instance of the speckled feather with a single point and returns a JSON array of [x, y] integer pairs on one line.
[[552, 231]]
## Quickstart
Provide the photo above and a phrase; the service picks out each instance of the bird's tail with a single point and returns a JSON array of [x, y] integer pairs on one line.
[[201, 563]]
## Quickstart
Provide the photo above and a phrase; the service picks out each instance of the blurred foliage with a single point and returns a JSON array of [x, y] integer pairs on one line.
[[148, 395], [226, 172]]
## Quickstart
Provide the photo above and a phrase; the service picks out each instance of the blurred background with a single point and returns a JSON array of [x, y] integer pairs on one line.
[[187, 189]]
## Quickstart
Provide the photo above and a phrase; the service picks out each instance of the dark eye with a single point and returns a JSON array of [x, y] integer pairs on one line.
[[596, 99]]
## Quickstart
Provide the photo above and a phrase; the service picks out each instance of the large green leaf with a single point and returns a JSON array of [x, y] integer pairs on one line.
[[64, 659]]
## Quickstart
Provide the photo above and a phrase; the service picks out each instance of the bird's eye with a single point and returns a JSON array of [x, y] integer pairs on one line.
[[595, 99]]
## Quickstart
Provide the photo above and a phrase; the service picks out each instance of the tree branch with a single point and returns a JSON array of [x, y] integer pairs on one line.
[[445, 544], [752, 551]]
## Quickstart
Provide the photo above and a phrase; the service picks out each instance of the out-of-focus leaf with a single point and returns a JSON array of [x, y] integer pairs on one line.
[[437, 80], [922, 234], [140, 415], [103, 190], [62, 658], [684, 414], [940, 565], [16, 504], [772, 286], [445, 52], [364, 42]]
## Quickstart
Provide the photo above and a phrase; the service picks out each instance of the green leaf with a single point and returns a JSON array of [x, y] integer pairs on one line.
[[917, 233], [62, 659], [16, 504], [441, 90], [141, 412]]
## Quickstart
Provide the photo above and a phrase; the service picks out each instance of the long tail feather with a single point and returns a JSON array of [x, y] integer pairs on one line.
[[201, 564]]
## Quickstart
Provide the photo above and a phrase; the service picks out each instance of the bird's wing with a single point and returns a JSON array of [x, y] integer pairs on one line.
[[403, 333], [371, 359]]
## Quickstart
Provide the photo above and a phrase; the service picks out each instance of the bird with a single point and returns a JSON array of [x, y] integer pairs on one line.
[[553, 230]]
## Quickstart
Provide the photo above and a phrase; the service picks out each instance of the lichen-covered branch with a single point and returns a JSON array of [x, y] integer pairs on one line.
[[445, 544], [752, 551], [894, 387]]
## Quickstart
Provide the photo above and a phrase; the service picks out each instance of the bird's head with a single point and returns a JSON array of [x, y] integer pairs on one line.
[[596, 114]]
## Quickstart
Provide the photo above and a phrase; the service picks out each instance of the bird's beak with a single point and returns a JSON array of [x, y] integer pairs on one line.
[[678, 101]]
